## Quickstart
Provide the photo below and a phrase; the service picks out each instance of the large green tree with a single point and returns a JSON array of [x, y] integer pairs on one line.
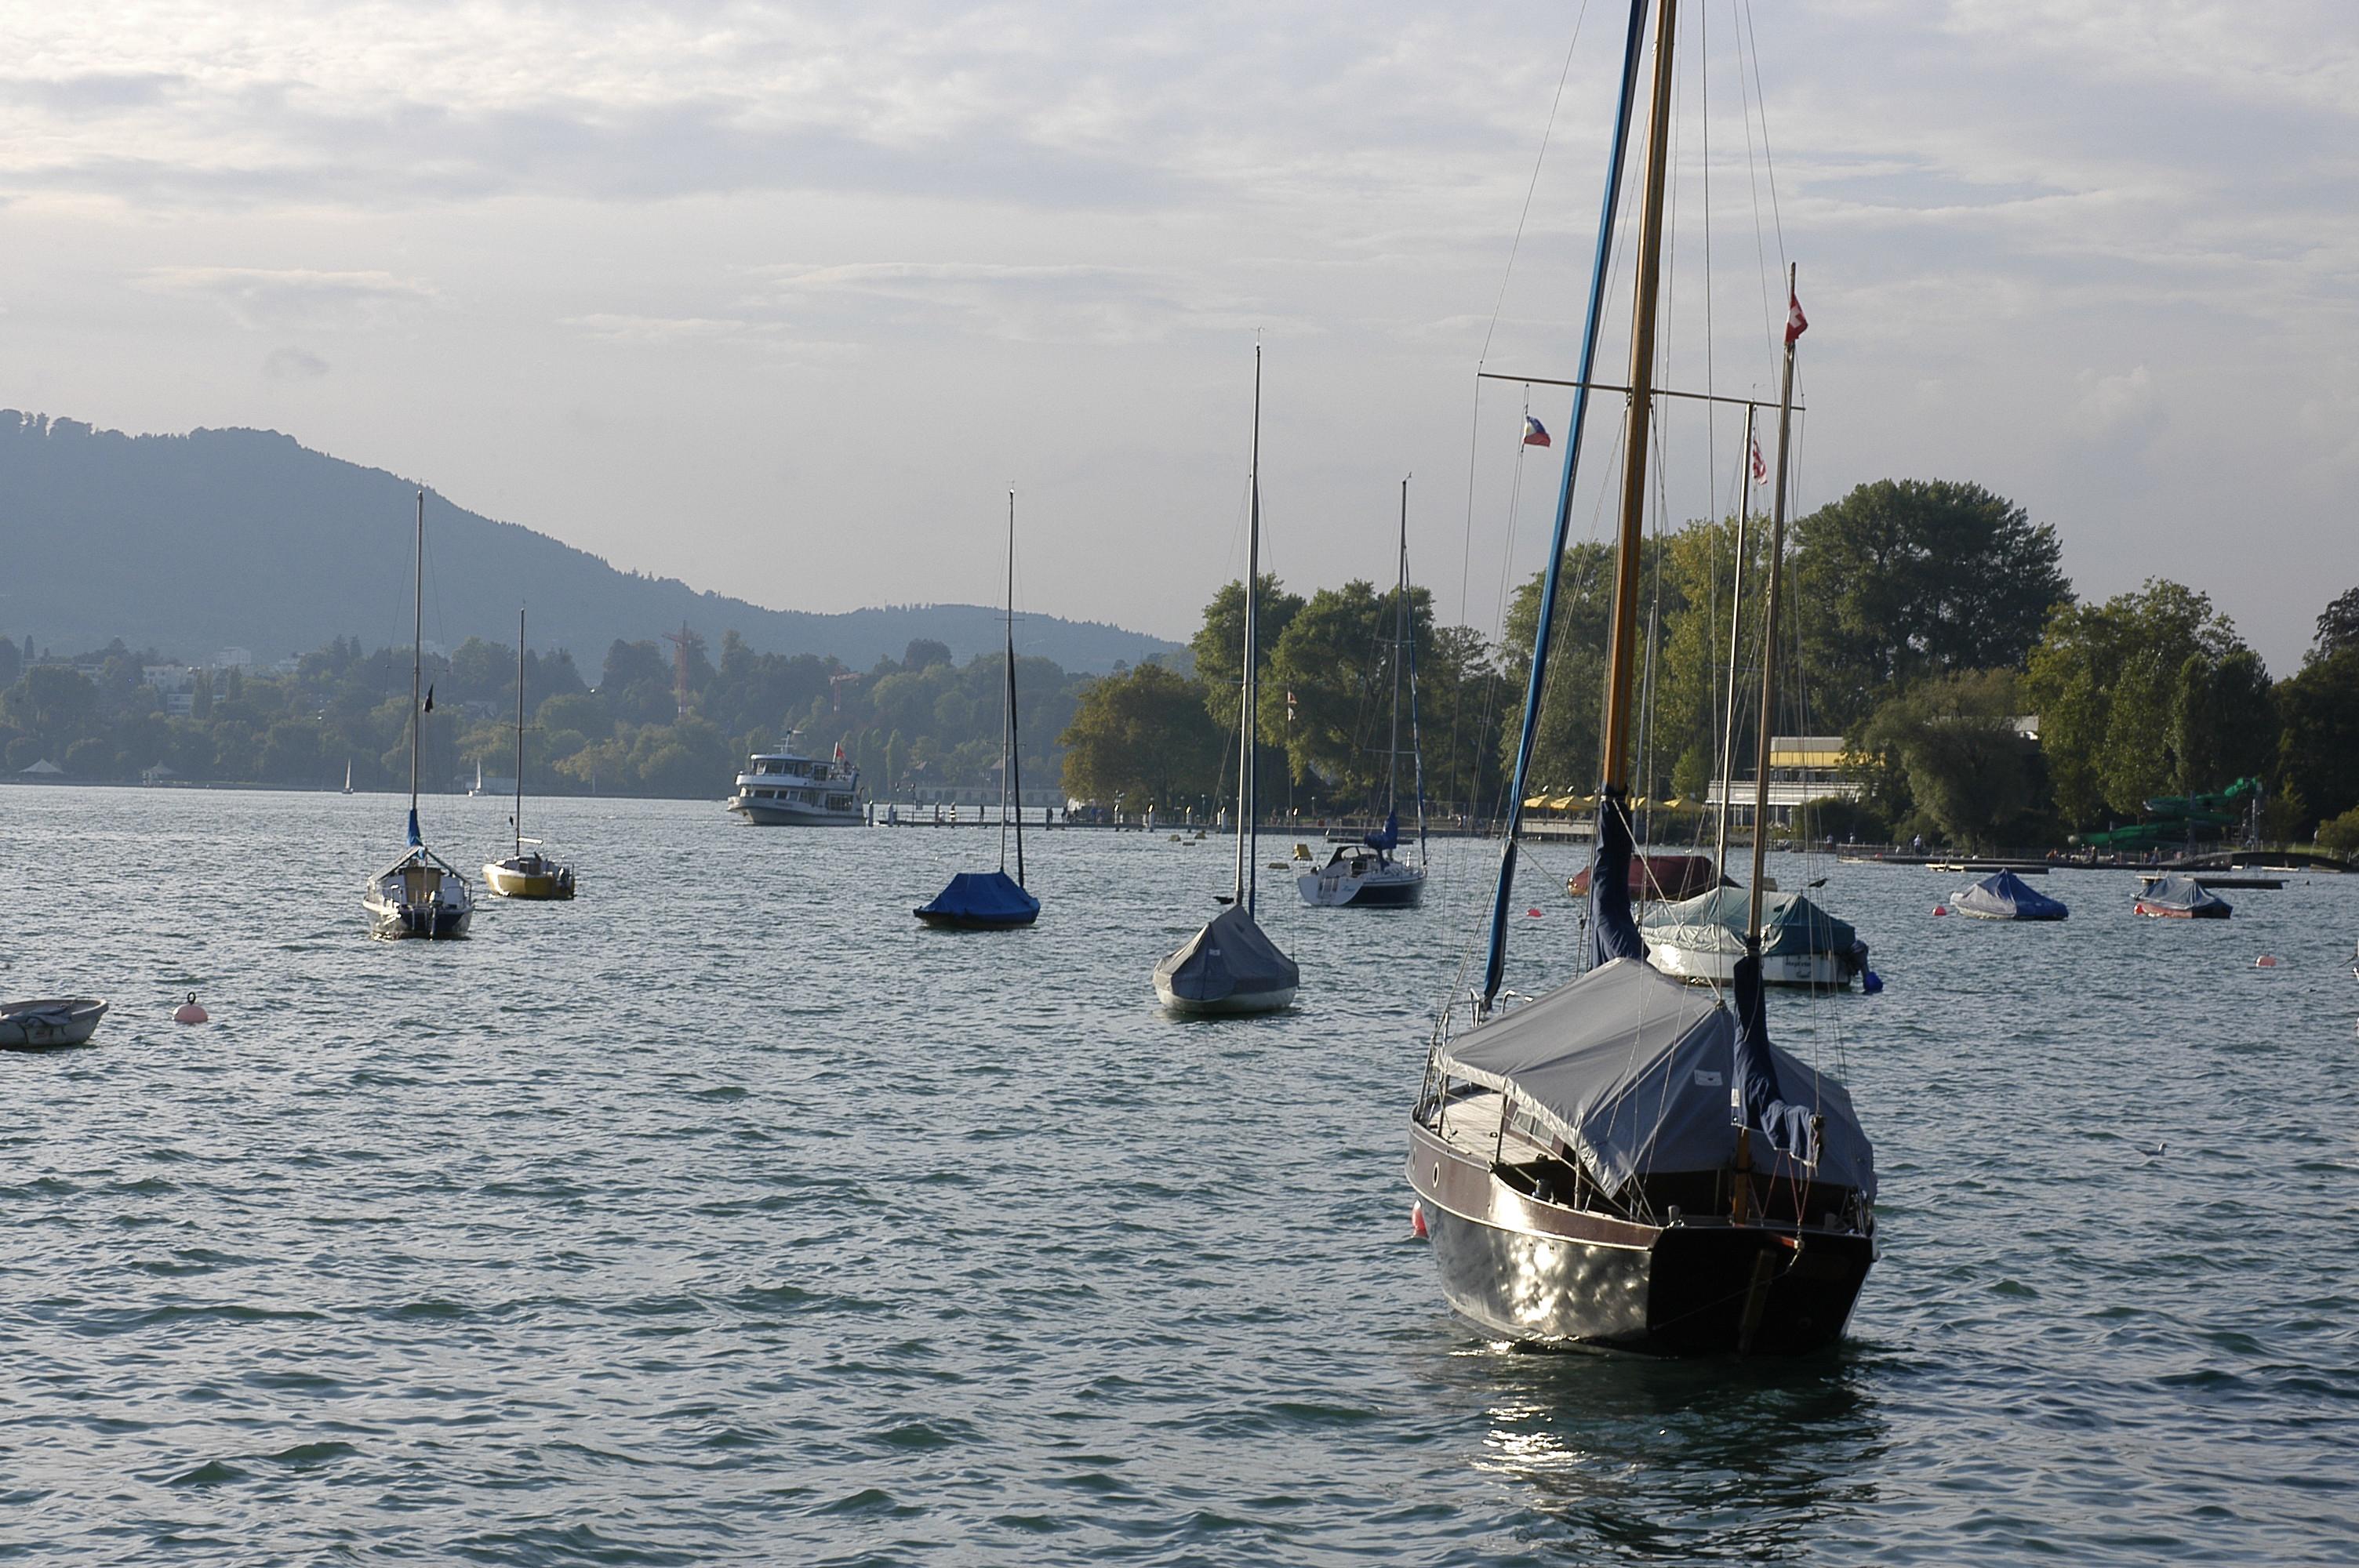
[[2318, 760], [2119, 707], [1903, 579], [1970, 774], [1145, 737], [1336, 664], [1218, 646]]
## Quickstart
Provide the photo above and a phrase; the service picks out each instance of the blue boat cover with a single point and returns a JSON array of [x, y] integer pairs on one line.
[[2177, 891], [1388, 840], [983, 898], [1613, 931], [2005, 896]]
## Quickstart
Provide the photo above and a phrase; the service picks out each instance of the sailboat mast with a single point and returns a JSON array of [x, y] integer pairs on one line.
[[1011, 783], [1736, 632], [1769, 634], [1249, 687], [416, 661], [1622, 657], [517, 820], [1503, 890], [1400, 639]]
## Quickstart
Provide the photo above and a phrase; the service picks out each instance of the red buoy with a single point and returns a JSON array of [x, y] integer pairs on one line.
[[1941, 908], [190, 1012], [1533, 913], [2265, 961], [1417, 1220]]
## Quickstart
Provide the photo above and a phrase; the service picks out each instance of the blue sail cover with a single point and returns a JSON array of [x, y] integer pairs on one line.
[[2005, 896], [1388, 840], [1766, 1105], [1612, 930], [414, 838], [989, 899]]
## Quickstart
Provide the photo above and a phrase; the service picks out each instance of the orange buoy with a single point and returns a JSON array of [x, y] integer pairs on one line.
[[1417, 1220], [190, 1012], [2265, 961]]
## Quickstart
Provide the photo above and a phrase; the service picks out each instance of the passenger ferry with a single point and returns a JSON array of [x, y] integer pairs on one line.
[[787, 789]]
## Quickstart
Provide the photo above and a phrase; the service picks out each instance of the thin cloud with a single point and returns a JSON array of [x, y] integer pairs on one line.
[[295, 299]]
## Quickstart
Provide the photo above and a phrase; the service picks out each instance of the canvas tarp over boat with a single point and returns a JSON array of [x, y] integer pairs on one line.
[[983, 898], [1230, 956], [1638, 1074], [2180, 893], [1714, 923], [2005, 896]]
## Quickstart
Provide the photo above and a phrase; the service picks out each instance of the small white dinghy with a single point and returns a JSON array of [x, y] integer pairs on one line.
[[49, 1024]]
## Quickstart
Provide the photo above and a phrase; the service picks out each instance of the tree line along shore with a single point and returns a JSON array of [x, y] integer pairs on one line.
[[1980, 702]]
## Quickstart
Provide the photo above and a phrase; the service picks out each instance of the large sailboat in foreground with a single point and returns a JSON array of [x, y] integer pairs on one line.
[[1366, 875], [1628, 1163], [1230, 965], [526, 873], [421, 894], [991, 901]]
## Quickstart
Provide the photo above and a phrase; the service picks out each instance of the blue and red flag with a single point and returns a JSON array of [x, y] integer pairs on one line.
[[1535, 433]]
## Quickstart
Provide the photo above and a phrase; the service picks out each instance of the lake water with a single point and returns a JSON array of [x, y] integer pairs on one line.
[[725, 1215]]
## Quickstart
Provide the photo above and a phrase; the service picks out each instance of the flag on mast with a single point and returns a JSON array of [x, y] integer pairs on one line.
[[1796, 322], [1760, 469], [1535, 433]]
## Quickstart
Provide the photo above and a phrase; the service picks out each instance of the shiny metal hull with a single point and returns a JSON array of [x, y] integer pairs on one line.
[[1552, 1277]]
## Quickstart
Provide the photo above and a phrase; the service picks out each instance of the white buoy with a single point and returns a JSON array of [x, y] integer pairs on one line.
[[190, 1012]]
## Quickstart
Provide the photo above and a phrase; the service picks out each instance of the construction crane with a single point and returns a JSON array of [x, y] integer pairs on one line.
[[682, 642]]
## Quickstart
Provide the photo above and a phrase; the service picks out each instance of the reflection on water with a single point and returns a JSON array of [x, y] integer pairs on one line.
[[1680, 1461]]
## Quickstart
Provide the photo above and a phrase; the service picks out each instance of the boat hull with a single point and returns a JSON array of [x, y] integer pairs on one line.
[[1554, 1278], [941, 921], [49, 1024], [775, 814], [1822, 971], [2171, 912], [1378, 891], [1231, 1005], [437, 922], [543, 885]]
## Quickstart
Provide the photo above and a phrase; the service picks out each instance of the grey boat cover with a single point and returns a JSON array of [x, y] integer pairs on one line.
[[1639, 1072], [1714, 922], [2178, 892], [1230, 956], [2005, 896]]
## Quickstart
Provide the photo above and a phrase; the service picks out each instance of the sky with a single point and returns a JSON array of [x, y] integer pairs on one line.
[[782, 299]]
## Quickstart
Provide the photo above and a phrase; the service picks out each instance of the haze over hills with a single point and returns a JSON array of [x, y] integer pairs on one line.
[[247, 538]]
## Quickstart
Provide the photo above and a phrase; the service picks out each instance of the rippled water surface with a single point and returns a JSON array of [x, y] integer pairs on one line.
[[726, 1215]]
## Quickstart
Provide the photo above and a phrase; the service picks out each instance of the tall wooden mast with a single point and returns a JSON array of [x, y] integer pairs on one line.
[[1769, 627]]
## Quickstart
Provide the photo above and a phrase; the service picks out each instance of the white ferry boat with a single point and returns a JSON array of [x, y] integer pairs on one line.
[[787, 789]]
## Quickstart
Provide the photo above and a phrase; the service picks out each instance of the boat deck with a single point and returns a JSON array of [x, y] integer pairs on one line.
[[1472, 1123]]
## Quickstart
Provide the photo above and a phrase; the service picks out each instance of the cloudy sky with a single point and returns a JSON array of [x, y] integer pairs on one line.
[[781, 298]]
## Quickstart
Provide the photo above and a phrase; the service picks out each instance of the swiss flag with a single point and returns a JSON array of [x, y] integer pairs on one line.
[[1796, 322]]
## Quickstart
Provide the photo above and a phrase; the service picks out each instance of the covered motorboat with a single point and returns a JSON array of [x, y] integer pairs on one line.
[[1365, 875], [1230, 965], [981, 901], [49, 1022], [2002, 895], [1699, 939], [2177, 897]]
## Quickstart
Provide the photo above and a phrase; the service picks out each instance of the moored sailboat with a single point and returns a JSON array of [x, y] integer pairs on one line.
[[526, 873], [1627, 1163], [991, 901], [1365, 874], [1231, 965], [421, 894]]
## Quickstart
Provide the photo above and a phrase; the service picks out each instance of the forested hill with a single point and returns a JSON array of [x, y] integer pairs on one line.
[[245, 539]]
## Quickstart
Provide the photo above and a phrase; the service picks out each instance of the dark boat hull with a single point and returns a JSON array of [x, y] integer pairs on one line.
[[944, 922], [1546, 1276]]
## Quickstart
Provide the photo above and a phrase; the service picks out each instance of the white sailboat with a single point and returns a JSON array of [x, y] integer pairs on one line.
[[1365, 875], [1230, 965], [526, 873], [421, 894]]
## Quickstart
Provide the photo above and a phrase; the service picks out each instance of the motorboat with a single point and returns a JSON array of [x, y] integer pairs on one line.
[[50, 1022], [1364, 873], [2177, 897], [1231, 965], [787, 789], [1625, 1162], [419, 895], [993, 901], [526, 873], [1699, 939], [2002, 895]]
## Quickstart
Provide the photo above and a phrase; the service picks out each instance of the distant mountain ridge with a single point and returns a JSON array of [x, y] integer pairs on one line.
[[247, 538]]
